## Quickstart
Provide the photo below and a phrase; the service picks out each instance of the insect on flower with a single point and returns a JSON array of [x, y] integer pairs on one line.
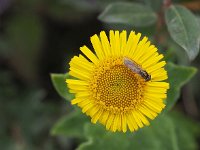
[[136, 68], [111, 87]]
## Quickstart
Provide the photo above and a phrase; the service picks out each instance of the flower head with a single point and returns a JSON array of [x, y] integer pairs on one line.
[[120, 84]]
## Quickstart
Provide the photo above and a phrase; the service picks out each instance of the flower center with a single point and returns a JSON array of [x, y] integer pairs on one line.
[[116, 87]]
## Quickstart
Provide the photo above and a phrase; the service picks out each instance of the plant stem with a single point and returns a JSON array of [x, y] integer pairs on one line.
[[167, 3]]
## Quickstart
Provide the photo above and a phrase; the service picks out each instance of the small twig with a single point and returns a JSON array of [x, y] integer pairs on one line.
[[194, 5], [167, 3], [189, 103], [161, 21], [17, 134]]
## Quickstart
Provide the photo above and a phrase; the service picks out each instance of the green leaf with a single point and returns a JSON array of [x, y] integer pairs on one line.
[[134, 14], [184, 29], [99, 138], [186, 122], [71, 125], [198, 19], [154, 4], [178, 76], [163, 133], [60, 85], [62, 10], [186, 131], [88, 144]]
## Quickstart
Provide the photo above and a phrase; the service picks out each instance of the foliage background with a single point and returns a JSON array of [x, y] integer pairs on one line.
[[39, 37]]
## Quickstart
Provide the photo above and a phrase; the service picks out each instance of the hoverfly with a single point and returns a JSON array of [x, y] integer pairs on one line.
[[136, 68]]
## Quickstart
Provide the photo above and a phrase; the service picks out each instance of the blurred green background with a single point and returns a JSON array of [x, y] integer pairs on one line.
[[39, 37]]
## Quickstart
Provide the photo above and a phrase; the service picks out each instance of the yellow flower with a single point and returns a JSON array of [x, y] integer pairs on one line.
[[118, 95]]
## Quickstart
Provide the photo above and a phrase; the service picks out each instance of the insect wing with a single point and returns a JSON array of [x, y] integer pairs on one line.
[[131, 65]]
